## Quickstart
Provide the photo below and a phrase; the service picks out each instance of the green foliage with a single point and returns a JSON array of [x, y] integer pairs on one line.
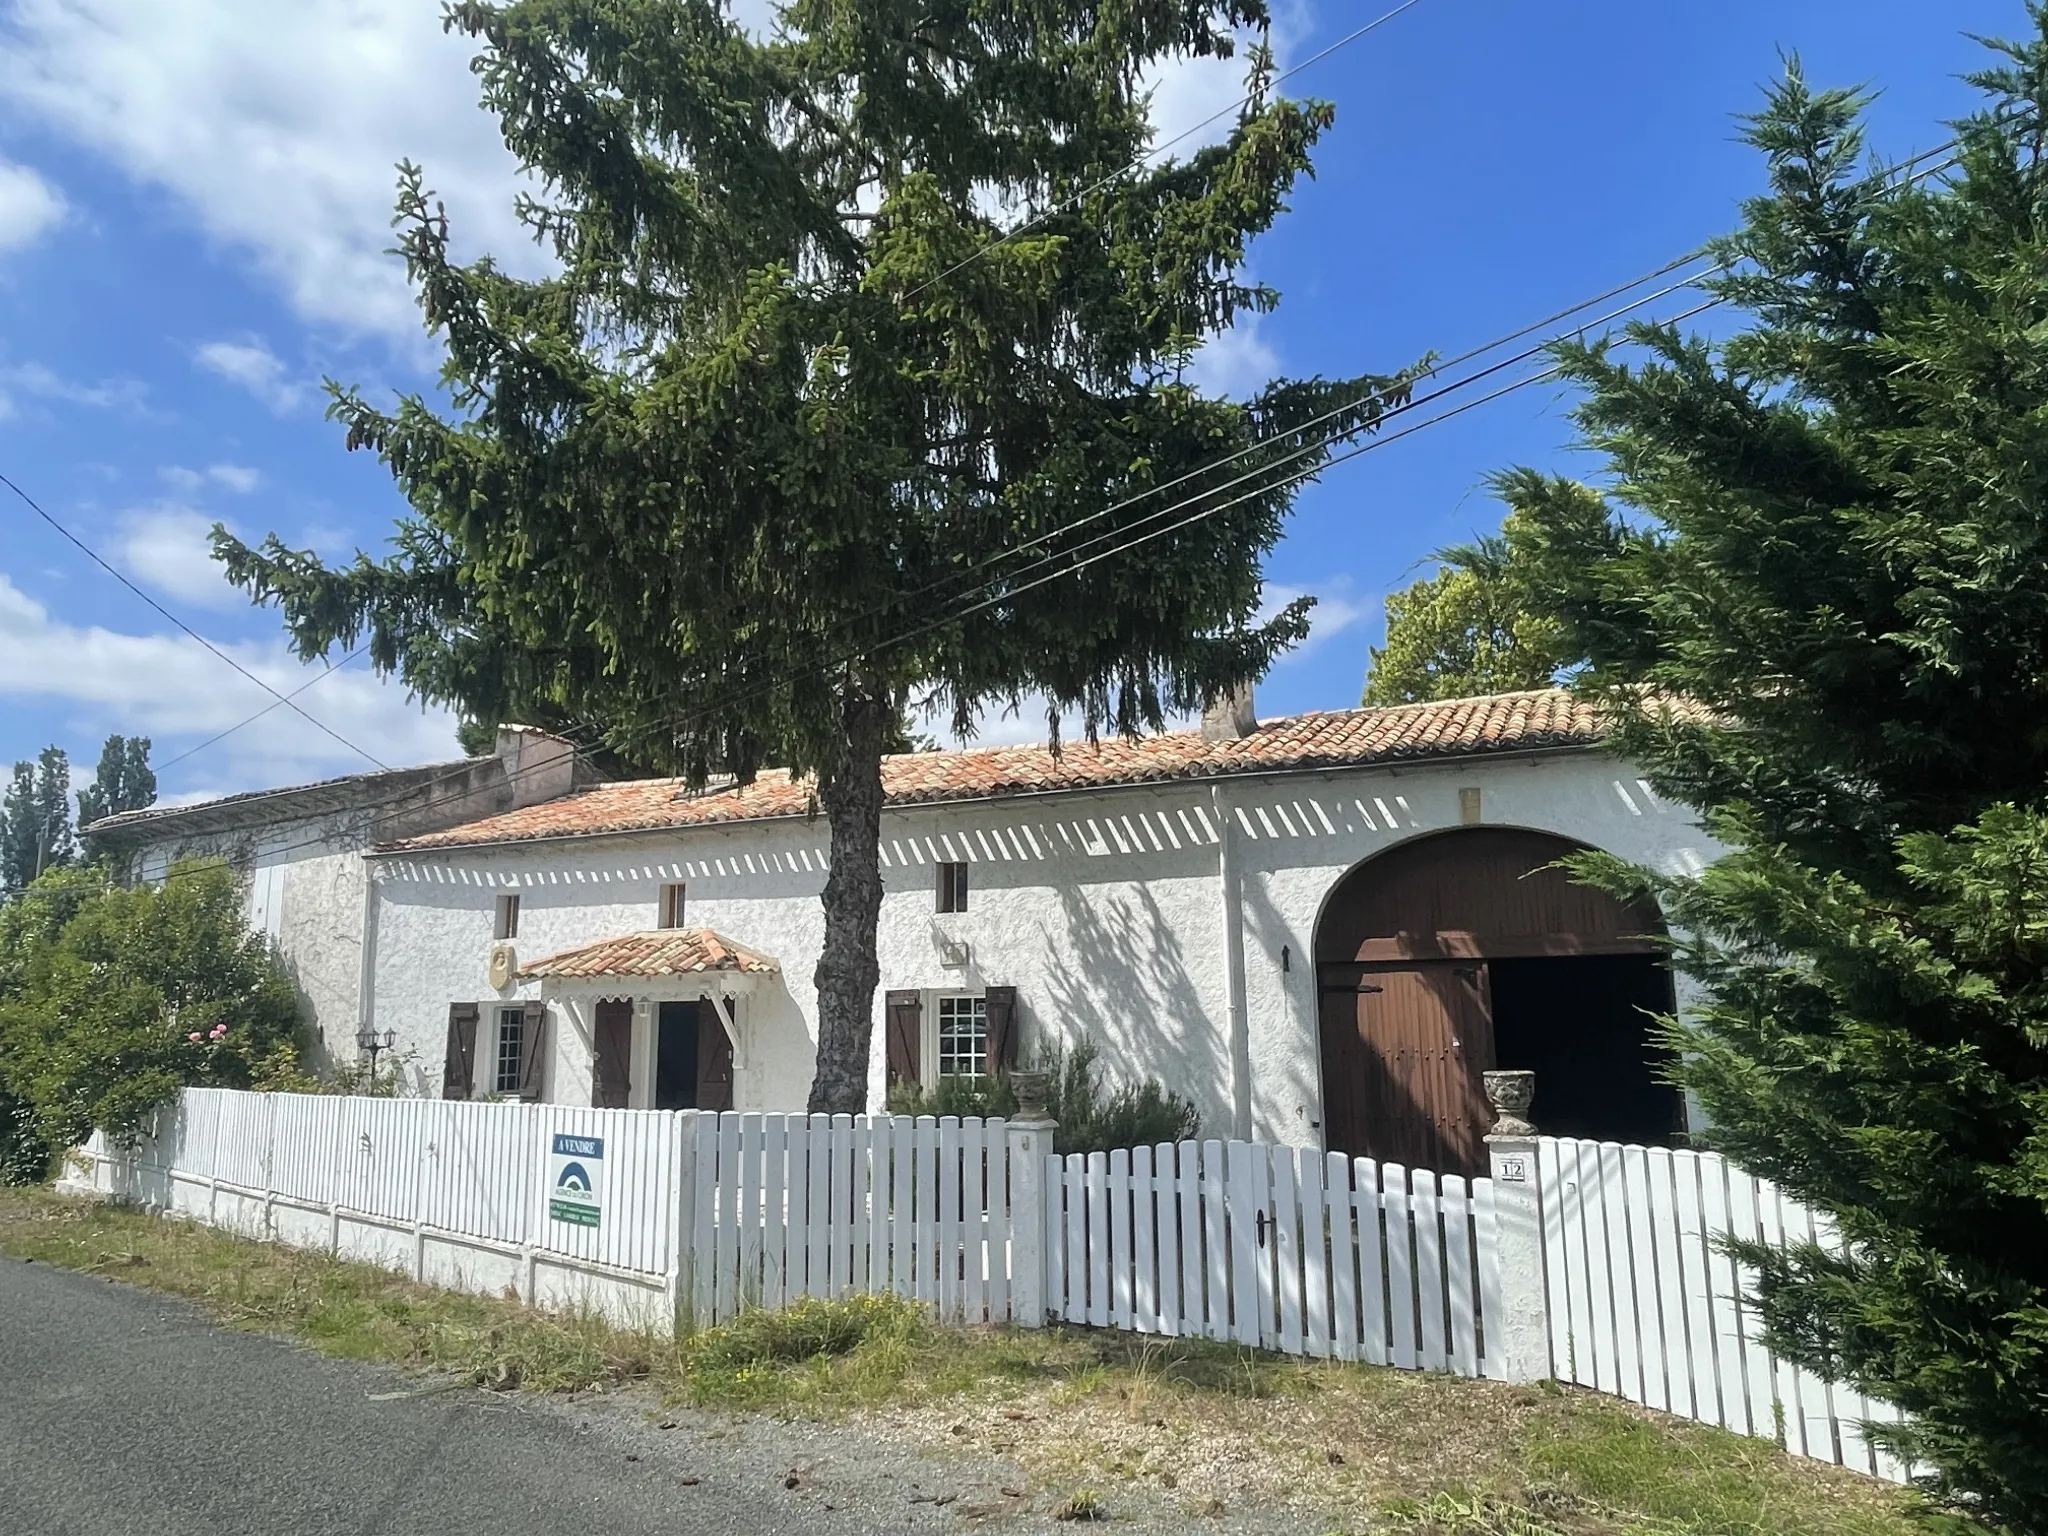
[[1092, 1116], [808, 1328], [1472, 628], [35, 820], [111, 1000], [124, 781], [700, 487], [1833, 543]]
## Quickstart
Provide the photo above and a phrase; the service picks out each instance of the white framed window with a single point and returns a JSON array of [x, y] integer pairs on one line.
[[952, 887], [671, 913], [508, 917], [960, 1035], [511, 1042]]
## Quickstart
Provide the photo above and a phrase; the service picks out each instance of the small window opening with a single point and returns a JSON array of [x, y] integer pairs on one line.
[[672, 905], [508, 917], [511, 1040], [963, 1036], [952, 887]]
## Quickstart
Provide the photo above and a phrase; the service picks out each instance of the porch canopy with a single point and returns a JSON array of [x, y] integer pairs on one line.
[[678, 952], [661, 965]]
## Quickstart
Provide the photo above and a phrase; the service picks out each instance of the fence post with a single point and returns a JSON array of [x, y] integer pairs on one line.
[[1519, 1339], [1030, 1143], [678, 1288]]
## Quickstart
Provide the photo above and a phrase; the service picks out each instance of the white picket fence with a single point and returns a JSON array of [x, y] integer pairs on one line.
[[1596, 1263], [1282, 1248], [820, 1205], [1646, 1306]]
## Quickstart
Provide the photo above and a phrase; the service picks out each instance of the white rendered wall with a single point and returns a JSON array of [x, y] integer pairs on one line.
[[303, 881], [1102, 909]]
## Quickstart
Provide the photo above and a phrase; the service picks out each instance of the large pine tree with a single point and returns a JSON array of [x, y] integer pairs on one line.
[[1833, 534], [841, 313]]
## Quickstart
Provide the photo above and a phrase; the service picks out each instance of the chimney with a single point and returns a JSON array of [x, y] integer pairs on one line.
[[1230, 716]]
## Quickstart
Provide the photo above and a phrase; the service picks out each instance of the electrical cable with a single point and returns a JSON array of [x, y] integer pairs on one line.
[[1294, 477], [94, 556]]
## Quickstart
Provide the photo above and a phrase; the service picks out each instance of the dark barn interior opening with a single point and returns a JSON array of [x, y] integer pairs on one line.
[[1584, 1025], [1468, 950]]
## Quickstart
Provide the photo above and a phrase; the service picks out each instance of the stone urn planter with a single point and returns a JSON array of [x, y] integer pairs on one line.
[[1510, 1094]]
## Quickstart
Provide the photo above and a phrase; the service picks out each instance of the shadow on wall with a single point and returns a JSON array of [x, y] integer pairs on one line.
[[1120, 979]]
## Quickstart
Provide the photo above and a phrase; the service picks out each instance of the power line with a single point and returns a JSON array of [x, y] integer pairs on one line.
[[332, 667], [1011, 552], [1158, 149], [928, 626], [94, 556], [1128, 543]]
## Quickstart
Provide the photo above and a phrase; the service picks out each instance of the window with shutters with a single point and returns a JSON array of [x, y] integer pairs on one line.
[[511, 1037], [962, 1035], [952, 887], [671, 915], [508, 917]]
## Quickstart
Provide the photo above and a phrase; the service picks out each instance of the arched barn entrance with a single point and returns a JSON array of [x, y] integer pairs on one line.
[[1461, 952]]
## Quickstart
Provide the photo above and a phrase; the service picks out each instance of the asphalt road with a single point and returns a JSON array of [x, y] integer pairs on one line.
[[125, 1413]]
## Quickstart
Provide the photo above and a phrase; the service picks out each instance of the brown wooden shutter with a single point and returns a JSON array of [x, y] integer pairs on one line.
[[611, 1064], [904, 1012], [458, 1065], [1001, 1003], [533, 1033], [714, 1059]]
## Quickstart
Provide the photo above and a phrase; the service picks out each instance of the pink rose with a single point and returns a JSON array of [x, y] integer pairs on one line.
[[193, 1036]]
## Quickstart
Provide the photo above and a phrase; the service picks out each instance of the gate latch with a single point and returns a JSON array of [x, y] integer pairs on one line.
[[1259, 1227]]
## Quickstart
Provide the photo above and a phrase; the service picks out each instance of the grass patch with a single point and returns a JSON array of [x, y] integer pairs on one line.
[[1214, 1426]]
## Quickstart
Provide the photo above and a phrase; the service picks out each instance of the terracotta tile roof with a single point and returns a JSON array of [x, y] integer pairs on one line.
[[1340, 738], [664, 952]]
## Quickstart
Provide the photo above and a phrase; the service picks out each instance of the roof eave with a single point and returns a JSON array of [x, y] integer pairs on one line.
[[1162, 781]]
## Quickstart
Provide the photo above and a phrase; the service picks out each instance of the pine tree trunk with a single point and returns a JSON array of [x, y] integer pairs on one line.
[[848, 971]]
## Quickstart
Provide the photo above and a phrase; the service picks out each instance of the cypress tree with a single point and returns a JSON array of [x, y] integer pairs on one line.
[[35, 820], [1829, 533], [840, 313]]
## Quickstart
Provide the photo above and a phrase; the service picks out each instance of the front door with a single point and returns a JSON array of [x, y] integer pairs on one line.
[[1404, 1045], [675, 1057], [611, 1066], [714, 1059]]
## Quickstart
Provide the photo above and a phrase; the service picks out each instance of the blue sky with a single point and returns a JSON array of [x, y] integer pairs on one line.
[[193, 206]]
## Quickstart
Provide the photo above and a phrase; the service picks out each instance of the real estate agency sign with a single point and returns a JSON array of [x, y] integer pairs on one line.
[[576, 1179]]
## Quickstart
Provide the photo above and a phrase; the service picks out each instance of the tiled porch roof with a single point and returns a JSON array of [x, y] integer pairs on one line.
[[1345, 738], [663, 952]]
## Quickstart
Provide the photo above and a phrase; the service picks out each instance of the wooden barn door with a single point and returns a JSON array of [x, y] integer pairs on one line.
[[1403, 1049]]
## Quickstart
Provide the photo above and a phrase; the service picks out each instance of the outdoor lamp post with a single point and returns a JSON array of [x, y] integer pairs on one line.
[[370, 1042]]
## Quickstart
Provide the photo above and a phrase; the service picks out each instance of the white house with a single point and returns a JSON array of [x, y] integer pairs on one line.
[[299, 851], [1320, 929]]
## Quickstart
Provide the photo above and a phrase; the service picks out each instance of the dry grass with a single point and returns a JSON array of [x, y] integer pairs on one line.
[[1218, 1427]]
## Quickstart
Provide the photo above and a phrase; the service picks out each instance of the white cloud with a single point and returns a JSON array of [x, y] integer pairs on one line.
[[1237, 362], [238, 478], [29, 206], [252, 365], [1338, 608], [172, 689], [169, 547], [20, 381], [278, 127]]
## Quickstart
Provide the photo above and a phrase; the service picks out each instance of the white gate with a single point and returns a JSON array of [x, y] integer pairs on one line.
[[1283, 1248]]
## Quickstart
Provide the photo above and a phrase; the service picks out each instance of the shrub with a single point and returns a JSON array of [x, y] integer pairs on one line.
[[112, 1000], [1092, 1116]]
